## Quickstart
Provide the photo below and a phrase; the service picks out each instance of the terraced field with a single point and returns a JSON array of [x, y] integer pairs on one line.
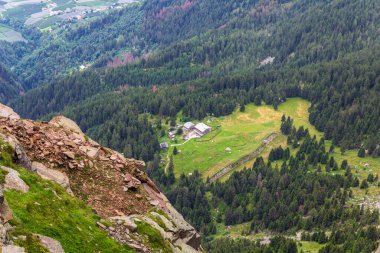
[[44, 14], [10, 35]]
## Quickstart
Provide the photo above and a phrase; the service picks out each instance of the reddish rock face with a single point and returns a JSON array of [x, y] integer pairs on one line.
[[132, 182], [110, 183], [100, 175]]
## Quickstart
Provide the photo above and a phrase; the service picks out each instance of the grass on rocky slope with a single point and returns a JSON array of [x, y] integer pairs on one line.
[[49, 210], [153, 237]]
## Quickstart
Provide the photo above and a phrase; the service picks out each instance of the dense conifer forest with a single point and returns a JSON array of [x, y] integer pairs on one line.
[[185, 63]]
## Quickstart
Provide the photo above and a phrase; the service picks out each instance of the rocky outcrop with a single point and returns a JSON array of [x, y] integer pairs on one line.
[[52, 175], [13, 249], [5, 216], [13, 180], [7, 112], [52, 245], [131, 182], [111, 184]]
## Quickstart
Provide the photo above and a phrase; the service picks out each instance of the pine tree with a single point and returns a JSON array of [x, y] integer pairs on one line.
[[361, 152], [364, 184], [171, 177]]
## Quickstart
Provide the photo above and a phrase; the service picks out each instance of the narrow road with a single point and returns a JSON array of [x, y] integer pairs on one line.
[[180, 144], [245, 158]]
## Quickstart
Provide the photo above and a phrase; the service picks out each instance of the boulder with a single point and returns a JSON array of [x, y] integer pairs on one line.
[[126, 221], [6, 212], [51, 244], [13, 180], [8, 112], [51, 174], [69, 154], [19, 154], [61, 121], [13, 249], [131, 181], [91, 152], [69, 124]]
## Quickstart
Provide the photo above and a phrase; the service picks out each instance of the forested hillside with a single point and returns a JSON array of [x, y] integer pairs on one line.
[[319, 53]]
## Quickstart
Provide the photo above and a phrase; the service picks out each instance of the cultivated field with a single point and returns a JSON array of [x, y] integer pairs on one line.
[[10, 35], [45, 13]]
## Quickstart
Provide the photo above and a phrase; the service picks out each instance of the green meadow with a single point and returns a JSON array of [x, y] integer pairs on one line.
[[243, 132]]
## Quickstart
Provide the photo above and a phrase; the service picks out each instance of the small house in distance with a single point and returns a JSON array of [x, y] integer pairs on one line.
[[164, 145], [202, 129], [188, 126]]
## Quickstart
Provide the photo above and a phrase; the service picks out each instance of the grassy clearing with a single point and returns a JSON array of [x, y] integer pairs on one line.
[[242, 132], [96, 3], [309, 247]]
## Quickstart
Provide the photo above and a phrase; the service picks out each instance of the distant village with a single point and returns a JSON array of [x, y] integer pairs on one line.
[[188, 131]]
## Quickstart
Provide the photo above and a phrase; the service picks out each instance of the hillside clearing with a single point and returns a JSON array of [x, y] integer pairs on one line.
[[243, 132]]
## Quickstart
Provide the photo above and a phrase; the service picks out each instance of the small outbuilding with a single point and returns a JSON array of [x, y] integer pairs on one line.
[[164, 145]]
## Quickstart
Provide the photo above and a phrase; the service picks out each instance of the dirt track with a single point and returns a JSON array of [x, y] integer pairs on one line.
[[245, 158]]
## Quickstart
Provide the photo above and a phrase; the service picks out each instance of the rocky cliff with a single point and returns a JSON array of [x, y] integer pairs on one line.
[[116, 188]]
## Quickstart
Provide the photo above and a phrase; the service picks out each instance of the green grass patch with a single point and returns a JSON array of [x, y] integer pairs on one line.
[[154, 238], [310, 247], [3, 173], [4, 28], [10, 35], [95, 3], [64, 6], [244, 131], [159, 221], [48, 210], [62, 2]]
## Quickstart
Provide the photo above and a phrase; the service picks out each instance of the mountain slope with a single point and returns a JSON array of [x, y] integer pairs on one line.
[[116, 188]]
